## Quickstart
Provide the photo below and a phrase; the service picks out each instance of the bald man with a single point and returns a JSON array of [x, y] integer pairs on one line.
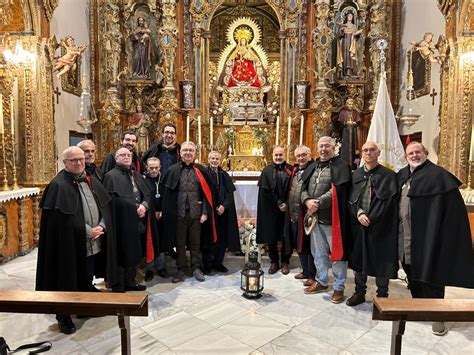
[[373, 205], [271, 208], [75, 216]]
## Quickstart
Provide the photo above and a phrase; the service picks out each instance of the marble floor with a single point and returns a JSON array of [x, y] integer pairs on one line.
[[212, 318]]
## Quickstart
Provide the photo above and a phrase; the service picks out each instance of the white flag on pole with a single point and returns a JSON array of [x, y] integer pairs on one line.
[[384, 131]]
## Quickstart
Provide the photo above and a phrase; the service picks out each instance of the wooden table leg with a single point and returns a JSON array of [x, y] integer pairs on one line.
[[398, 328], [124, 324]]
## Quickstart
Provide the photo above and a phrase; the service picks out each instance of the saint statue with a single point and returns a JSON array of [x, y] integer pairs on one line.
[[141, 123], [348, 119], [142, 50], [244, 62], [69, 60], [347, 47]]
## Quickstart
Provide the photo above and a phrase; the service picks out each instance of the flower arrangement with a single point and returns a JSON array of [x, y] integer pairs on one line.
[[212, 75], [217, 111], [230, 134], [273, 73], [260, 135], [248, 235], [272, 110]]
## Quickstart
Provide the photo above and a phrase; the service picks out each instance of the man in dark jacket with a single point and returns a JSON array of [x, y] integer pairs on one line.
[[374, 220], [88, 147], [75, 217], [167, 150], [434, 243], [325, 193], [226, 217], [271, 209], [129, 141], [130, 202], [187, 203]]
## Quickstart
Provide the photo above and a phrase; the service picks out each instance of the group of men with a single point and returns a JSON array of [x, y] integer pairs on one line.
[[107, 222], [370, 220], [133, 211]]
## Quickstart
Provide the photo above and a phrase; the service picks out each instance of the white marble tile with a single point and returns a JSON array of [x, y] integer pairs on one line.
[[254, 330], [61, 343], [177, 329], [95, 330], [188, 297], [295, 342], [319, 301], [375, 342], [332, 330], [142, 343], [213, 342], [288, 312], [282, 287], [30, 325], [218, 314], [157, 309], [360, 314], [458, 340]]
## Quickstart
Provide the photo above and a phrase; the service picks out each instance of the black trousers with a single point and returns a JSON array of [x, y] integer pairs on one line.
[[361, 284], [420, 289], [273, 253], [188, 231], [306, 259]]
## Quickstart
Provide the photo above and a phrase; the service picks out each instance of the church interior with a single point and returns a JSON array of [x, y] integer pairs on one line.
[[238, 77]]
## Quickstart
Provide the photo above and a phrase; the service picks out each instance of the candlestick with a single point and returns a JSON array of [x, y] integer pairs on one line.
[[211, 133], [12, 118], [471, 152], [289, 131], [301, 129], [199, 131], [1, 114], [187, 129], [277, 131]]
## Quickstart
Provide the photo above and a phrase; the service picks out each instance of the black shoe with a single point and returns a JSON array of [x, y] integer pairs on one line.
[[274, 267], [382, 295], [206, 270], [179, 277], [220, 268], [66, 326], [163, 273], [173, 254], [136, 287], [149, 275], [118, 289], [355, 299]]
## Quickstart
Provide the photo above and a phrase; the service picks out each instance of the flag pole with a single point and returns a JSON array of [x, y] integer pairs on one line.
[[381, 45]]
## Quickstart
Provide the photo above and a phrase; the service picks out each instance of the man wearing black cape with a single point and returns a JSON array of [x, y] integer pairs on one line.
[[88, 147], [167, 150], [226, 217], [373, 205], [271, 208], [325, 193], [295, 237], [129, 141], [434, 243], [137, 235], [70, 238], [187, 203]]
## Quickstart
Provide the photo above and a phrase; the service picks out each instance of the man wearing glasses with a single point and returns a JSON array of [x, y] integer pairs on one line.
[[167, 150], [75, 216], [129, 141], [373, 206]]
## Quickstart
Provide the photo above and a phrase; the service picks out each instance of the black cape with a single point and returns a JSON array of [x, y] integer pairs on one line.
[[441, 246], [227, 223], [94, 170], [131, 241], [270, 220], [109, 163], [341, 179], [375, 248], [155, 151], [169, 205], [62, 244]]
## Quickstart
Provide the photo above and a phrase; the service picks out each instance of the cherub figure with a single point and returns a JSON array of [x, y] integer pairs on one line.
[[426, 47], [69, 60]]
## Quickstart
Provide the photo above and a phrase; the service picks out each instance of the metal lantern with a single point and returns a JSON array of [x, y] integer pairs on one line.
[[252, 277]]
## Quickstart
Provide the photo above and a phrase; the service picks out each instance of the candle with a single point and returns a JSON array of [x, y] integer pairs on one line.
[[301, 129], [187, 129], [1, 114], [211, 133], [277, 130], [289, 131], [199, 131], [12, 117], [471, 153]]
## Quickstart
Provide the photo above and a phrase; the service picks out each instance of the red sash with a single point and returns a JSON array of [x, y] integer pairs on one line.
[[207, 192], [150, 252], [337, 250]]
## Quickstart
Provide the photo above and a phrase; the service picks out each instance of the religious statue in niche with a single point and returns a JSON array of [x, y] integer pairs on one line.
[[420, 57], [68, 65], [243, 61], [142, 50], [346, 57], [141, 122], [347, 121]]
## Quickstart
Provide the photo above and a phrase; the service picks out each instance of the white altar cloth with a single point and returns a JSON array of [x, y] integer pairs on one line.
[[246, 198]]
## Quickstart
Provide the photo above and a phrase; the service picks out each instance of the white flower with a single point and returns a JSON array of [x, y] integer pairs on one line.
[[274, 112]]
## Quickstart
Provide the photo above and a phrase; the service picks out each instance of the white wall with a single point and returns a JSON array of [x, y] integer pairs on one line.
[[71, 17], [418, 17]]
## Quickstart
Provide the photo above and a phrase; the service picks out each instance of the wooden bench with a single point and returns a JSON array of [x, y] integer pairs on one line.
[[122, 305], [419, 309]]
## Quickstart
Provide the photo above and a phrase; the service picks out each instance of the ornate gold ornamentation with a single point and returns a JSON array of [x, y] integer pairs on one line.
[[3, 227], [6, 12], [49, 7]]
